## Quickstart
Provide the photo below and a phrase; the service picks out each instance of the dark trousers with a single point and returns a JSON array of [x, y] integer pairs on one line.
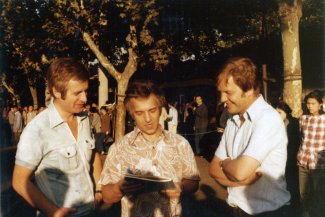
[[281, 212]]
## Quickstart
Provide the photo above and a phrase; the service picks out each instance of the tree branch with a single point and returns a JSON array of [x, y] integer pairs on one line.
[[100, 56]]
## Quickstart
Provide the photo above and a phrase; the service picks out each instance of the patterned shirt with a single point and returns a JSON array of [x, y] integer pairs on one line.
[[171, 156], [311, 154]]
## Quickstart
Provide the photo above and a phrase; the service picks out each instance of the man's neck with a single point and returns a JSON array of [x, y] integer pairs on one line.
[[66, 116], [153, 138]]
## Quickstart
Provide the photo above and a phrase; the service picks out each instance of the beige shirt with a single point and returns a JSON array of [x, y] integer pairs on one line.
[[171, 156]]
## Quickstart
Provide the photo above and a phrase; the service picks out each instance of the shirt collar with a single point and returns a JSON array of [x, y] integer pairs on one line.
[[137, 132], [253, 110], [56, 119]]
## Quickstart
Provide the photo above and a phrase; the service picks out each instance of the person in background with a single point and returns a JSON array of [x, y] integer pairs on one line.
[[55, 160], [189, 125], [24, 115], [172, 118], [311, 157], [96, 126], [148, 150], [17, 126], [163, 117], [251, 157], [106, 126], [41, 108], [292, 126], [35, 109], [11, 117], [201, 122], [30, 114]]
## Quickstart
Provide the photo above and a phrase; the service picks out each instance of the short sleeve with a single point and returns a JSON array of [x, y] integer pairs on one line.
[[268, 132], [221, 150], [112, 169], [190, 169], [29, 149]]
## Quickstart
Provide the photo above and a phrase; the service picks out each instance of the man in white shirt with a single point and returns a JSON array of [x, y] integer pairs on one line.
[[55, 160], [251, 157], [173, 119], [17, 125]]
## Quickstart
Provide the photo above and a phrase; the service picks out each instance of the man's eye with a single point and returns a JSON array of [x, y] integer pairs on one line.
[[153, 110], [138, 113]]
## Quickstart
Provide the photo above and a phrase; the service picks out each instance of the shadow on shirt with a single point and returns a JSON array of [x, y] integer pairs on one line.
[[60, 190]]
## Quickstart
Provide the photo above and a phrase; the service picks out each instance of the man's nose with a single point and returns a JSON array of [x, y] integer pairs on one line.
[[223, 98], [83, 97], [147, 117]]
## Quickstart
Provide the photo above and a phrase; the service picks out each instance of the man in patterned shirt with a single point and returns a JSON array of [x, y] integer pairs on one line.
[[148, 150]]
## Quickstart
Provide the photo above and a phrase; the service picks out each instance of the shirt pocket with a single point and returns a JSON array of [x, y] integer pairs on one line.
[[68, 158], [89, 145]]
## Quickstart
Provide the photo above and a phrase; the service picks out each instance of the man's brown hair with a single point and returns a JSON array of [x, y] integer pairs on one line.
[[61, 71], [244, 73]]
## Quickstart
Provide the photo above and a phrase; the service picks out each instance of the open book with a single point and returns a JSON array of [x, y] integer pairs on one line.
[[150, 183]]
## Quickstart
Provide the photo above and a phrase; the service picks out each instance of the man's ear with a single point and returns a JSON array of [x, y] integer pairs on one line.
[[56, 93]]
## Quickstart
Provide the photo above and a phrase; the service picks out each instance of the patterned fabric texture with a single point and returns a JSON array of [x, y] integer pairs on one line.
[[311, 154], [171, 156]]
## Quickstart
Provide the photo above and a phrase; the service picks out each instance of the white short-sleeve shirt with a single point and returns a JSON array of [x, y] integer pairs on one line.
[[262, 137], [61, 163]]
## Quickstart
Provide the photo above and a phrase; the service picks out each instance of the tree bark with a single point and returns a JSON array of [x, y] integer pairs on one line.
[[102, 88], [33, 92], [289, 19]]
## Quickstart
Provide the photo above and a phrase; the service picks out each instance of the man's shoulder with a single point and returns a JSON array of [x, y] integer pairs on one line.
[[40, 121], [176, 140], [128, 138]]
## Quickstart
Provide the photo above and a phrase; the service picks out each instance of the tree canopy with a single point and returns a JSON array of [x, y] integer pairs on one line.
[[168, 39]]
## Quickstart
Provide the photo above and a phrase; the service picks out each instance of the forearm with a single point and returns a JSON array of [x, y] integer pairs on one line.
[[217, 173], [97, 164], [239, 169], [34, 197]]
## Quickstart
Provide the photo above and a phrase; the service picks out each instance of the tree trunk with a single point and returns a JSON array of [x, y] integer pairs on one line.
[[120, 109], [33, 92], [102, 88], [289, 19]]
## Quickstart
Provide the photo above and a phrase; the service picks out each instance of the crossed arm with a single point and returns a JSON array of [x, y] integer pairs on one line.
[[236, 172]]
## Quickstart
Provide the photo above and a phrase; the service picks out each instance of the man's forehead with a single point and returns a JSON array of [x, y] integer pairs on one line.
[[223, 82], [140, 100]]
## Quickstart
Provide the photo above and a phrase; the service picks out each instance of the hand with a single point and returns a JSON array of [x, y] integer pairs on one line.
[[220, 130], [64, 212], [172, 193], [127, 187], [98, 199]]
